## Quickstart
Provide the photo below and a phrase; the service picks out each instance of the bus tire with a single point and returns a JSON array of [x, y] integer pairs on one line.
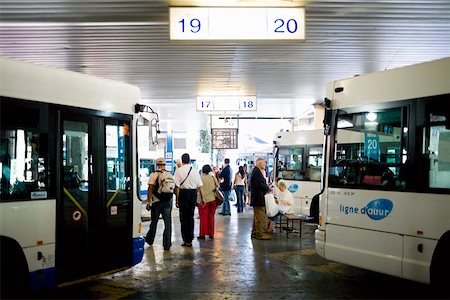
[[440, 266], [14, 279]]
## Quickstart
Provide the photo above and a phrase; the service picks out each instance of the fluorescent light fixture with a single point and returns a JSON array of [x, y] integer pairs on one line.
[[344, 124], [371, 116], [237, 23]]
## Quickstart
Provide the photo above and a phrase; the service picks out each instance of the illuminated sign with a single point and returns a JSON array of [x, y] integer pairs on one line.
[[224, 138], [237, 23], [226, 103]]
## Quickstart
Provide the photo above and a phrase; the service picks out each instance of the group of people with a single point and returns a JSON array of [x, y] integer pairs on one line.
[[193, 189], [228, 183], [262, 225]]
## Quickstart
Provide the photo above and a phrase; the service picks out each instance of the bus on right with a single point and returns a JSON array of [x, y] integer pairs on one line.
[[385, 197]]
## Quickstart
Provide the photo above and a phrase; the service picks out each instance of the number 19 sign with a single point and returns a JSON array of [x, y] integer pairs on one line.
[[239, 23]]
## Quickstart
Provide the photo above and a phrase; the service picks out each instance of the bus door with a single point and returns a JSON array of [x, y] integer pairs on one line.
[[95, 205]]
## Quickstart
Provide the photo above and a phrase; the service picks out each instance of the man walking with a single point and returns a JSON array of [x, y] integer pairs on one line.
[[226, 185], [159, 207], [259, 189], [188, 183]]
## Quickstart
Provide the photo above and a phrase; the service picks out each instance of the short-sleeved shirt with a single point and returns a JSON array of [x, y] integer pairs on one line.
[[209, 187], [152, 181], [193, 181]]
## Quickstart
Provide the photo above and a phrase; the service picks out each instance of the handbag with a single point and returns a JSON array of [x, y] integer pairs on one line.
[[219, 197]]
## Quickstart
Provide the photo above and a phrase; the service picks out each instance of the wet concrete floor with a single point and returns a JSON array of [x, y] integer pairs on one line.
[[234, 266]]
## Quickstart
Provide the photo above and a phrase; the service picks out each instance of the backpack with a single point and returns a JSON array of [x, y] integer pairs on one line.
[[164, 186]]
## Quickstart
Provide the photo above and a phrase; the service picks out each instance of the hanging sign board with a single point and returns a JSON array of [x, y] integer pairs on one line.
[[226, 103], [237, 23], [224, 138]]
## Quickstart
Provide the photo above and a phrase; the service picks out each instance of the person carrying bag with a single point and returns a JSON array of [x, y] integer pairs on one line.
[[207, 207], [219, 197], [160, 185]]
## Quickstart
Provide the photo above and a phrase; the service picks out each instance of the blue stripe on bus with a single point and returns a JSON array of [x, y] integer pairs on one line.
[[43, 279], [138, 250]]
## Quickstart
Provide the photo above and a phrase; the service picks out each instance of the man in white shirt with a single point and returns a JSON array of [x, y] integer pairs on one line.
[[188, 183]]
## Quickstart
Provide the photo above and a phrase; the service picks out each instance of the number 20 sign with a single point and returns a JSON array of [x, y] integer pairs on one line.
[[241, 23]]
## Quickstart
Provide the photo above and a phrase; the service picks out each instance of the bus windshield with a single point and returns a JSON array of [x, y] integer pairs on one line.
[[370, 150], [300, 162]]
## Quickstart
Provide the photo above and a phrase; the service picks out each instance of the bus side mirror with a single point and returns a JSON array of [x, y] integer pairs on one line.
[[154, 131], [327, 117]]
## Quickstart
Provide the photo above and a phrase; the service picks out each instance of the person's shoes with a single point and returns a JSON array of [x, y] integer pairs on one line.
[[228, 214], [220, 213], [211, 237], [148, 242], [166, 249], [201, 237], [186, 245]]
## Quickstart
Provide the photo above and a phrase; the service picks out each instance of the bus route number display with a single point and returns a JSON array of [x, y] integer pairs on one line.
[[237, 23], [224, 138]]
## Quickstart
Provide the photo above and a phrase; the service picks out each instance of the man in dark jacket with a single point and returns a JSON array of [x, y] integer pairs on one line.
[[259, 189], [226, 185]]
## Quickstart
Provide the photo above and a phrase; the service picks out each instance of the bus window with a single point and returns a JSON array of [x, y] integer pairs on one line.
[[300, 162], [23, 155], [369, 149], [290, 161], [117, 137], [438, 149], [314, 163]]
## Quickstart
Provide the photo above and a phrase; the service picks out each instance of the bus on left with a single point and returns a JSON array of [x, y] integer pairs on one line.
[[69, 203]]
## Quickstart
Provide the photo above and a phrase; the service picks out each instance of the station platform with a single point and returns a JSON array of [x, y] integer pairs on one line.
[[235, 266]]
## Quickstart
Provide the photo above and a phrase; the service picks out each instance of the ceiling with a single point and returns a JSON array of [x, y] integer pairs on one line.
[[129, 41]]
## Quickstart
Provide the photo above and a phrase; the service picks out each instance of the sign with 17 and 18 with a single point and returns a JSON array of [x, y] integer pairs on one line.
[[237, 23], [226, 103]]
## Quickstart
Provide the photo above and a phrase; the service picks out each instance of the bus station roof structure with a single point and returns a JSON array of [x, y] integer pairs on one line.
[[129, 41]]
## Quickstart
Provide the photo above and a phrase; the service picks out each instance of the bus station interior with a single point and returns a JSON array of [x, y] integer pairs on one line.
[[129, 42], [286, 80]]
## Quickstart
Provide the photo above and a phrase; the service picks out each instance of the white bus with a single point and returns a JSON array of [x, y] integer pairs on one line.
[[298, 160], [69, 205], [386, 200]]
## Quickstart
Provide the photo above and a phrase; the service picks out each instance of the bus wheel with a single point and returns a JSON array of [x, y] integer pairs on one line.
[[440, 266], [14, 280]]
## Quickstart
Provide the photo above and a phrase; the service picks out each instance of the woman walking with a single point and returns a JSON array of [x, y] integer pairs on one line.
[[240, 184], [207, 208]]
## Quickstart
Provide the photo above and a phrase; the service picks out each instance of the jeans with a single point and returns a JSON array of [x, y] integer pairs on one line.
[[163, 208], [226, 203], [240, 189]]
